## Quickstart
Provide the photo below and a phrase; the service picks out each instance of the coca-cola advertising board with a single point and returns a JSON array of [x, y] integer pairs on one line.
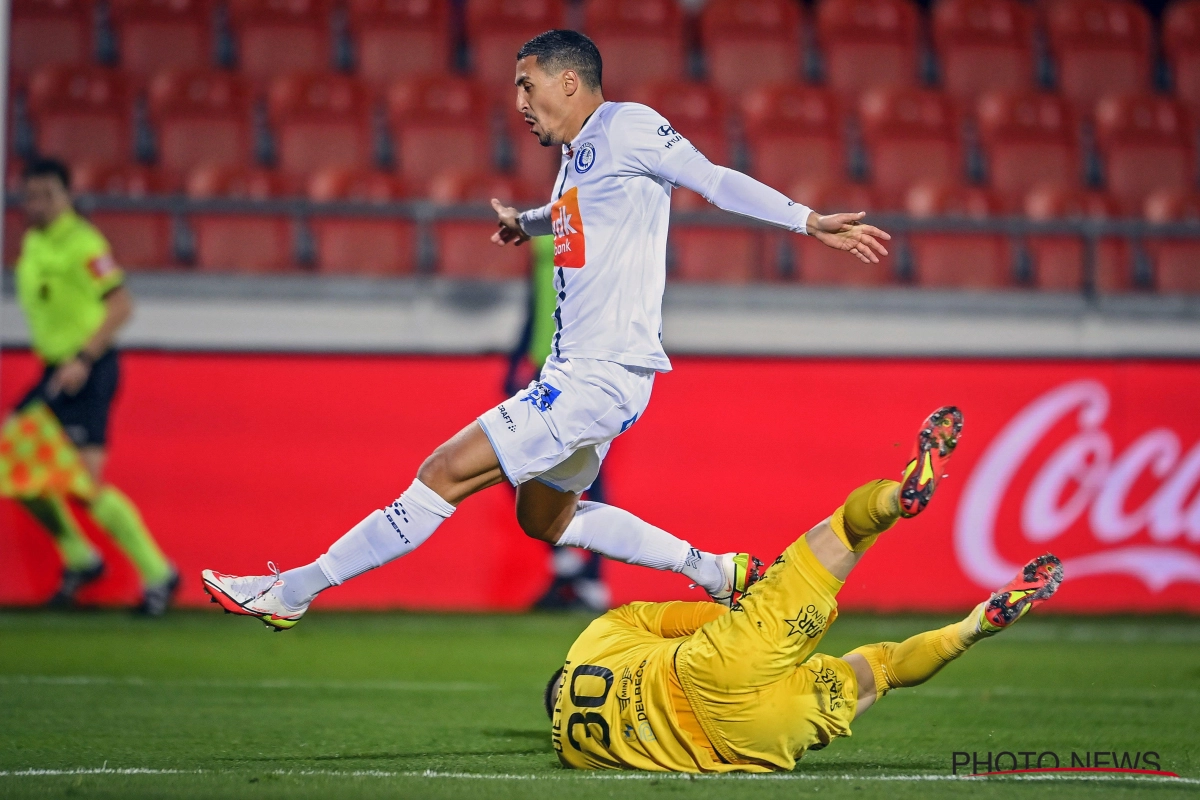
[[237, 459]]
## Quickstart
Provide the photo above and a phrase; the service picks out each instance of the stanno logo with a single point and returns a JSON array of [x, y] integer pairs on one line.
[[567, 225]]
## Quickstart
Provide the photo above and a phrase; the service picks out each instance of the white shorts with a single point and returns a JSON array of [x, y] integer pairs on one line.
[[558, 428]]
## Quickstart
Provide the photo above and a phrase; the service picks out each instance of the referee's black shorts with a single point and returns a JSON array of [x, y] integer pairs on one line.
[[83, 415]]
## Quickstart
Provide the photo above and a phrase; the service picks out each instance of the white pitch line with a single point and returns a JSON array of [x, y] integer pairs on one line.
[[598, 776], [365, 685]]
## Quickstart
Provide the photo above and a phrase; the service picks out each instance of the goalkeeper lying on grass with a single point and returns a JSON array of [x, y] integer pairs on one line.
[[698, 687]]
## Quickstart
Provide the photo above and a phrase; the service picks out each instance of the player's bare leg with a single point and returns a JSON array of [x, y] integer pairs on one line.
[[882, 667]]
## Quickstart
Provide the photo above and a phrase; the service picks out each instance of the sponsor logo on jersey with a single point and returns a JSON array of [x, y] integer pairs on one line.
[[666, 130], [542, 396], [810, 622], [585, 158], [567, 225]]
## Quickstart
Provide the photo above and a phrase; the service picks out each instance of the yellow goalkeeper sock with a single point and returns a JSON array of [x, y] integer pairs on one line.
[[868, 511], [54, 514], [918, 658]]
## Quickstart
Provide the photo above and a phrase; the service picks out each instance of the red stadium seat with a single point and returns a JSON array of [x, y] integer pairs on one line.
[[496, 30], [439, 124], [362, 186], [718, 254], [792, 132], [139, 239], [820, 265], [911, 135], [81, 114], [201, 117], [154, 35], [49, 32], [238, 183], [957, 260], [279, 37], [364, 245], [750, 42], [1176, 261], [984, 45], [361, 245], [639, 40], [1100, 46], [456, 186], [696, 110], [320, 121], [1029, 139], [1058, 260], [1181, 41], [465, 250], [243, 242], [133, 180], [1145, 145], [868, 43], [400, 39], [15, 225]]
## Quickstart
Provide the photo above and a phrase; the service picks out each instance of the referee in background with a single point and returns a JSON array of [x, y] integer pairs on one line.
[[74, 301]]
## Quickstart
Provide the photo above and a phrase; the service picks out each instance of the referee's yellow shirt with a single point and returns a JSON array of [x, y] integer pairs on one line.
[[63, 273]]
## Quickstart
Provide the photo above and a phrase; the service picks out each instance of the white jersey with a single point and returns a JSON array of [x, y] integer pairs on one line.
[[609, 215]]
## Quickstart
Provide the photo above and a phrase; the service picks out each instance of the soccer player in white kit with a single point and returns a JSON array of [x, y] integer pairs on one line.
[[608, 214]]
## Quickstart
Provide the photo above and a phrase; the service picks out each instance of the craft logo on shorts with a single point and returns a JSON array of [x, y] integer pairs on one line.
[[567, 225], [810, 622], [508, 420], [542, 396], [585, 158]]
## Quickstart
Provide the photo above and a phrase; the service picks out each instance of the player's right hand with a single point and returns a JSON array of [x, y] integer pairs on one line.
[[510, 225]]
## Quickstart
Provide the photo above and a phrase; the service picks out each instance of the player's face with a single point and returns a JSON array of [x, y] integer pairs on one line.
[[45, 198], [541, 100]]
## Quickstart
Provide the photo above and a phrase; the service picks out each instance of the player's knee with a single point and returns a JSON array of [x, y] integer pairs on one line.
[[438, 471], [538, 526]]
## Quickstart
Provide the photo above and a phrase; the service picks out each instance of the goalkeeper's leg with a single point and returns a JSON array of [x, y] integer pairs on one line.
[[882, 667]]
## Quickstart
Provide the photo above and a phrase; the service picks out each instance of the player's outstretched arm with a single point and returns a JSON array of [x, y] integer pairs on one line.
[[738, 193], [848, 232]]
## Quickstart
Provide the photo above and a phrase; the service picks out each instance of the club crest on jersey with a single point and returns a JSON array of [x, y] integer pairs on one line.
[[567, 225], [542, 396], [585, 158]]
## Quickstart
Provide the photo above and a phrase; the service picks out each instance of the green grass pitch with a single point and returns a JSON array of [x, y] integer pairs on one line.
[[414, 705]]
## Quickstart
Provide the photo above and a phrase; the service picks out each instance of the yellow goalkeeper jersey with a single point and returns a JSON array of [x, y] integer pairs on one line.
[[620, 706]]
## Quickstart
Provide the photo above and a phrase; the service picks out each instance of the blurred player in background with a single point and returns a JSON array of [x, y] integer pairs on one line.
[[576, 581], [697, 687], [74, 299], [608, 214]]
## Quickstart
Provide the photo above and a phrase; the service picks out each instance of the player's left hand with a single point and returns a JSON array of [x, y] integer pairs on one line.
[[847, 232], [69, 377], [510, 225]]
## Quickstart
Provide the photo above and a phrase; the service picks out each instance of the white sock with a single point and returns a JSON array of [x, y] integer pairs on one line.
[[386, 534], [615, 533]]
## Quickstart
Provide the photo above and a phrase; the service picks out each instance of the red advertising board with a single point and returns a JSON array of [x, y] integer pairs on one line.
[[239, 459]]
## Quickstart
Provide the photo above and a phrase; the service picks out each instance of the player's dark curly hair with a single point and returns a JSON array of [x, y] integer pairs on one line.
[[548, 697], [45, 167], [561, 49]]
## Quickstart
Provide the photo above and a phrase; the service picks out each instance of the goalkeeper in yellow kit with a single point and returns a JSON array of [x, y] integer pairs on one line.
[[698, 687]]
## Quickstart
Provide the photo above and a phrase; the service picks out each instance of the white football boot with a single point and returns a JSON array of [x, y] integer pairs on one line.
[[253, 596]]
